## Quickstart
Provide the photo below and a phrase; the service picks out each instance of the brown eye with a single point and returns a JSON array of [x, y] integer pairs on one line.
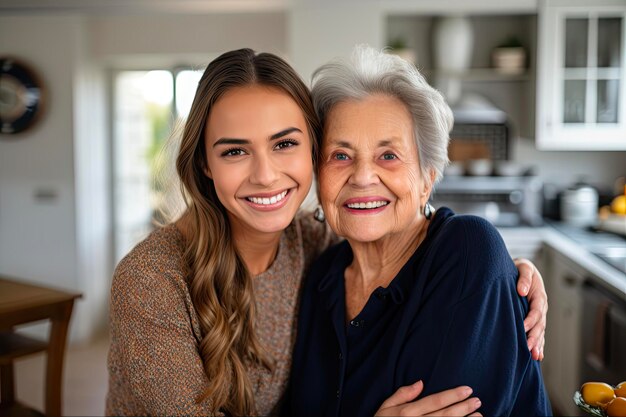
[[284, 144], [233, 152]]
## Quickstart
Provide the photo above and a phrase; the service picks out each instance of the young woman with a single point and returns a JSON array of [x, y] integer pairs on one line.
[[202, 313]]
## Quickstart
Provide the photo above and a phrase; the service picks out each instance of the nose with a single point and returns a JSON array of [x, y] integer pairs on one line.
[[363, 174], [264, 172]]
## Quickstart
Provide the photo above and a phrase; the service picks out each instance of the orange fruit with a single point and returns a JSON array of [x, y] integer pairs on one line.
[[618, 205], [617, 407], [620, 389], [597, 394]]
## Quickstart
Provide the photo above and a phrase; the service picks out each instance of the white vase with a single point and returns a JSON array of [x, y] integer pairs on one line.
[[453, 42]]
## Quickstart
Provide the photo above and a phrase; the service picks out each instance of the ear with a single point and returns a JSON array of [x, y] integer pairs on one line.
[[427, 186]]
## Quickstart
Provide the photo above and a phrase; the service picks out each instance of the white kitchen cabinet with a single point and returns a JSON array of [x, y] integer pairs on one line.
[[581, 85], [562, 366]]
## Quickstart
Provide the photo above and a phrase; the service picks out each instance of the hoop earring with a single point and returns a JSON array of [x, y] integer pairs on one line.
[[428, 210], [319, 215]]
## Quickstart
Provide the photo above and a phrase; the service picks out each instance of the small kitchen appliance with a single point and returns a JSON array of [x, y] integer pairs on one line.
[[483, 181], [504, 201]]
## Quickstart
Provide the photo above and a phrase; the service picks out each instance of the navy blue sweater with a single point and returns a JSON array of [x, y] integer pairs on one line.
[[450, 317]]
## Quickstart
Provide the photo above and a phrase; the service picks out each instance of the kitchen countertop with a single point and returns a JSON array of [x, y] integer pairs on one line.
[[579, 245], [575, 243]]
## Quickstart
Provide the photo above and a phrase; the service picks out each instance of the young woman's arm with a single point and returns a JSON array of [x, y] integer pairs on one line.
[[154, 365], [530, 284]]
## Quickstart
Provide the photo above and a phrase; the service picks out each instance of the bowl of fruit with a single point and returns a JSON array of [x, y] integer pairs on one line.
[[601, 399], [612, 218]]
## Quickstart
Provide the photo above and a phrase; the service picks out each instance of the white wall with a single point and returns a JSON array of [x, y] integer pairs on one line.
[[183, 35], [38, 238], [92, 185], [318, 32], [563, 168]]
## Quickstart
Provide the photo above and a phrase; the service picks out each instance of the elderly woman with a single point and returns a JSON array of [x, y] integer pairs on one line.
[[412, 294]]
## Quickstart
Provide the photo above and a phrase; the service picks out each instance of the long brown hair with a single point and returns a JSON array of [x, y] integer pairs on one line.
[[220, 285]]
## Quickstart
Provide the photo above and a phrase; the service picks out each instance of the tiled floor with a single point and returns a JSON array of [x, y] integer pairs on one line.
[[85, 379]]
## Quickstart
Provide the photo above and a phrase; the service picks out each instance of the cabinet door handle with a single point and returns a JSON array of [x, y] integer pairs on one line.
[[598, 355]]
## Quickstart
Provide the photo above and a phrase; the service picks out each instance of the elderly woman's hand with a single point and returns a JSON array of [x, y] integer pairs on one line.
[[530, 284], [453, 402]]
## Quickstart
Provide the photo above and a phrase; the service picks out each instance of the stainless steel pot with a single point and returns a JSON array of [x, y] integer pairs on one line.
[[579, 205]]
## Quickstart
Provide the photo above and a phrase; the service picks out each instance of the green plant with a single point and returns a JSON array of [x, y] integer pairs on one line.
[[511, 41], [160, 121], [397, 43]]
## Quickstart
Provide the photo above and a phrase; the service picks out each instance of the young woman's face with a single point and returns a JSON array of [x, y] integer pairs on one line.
[[259, 157]]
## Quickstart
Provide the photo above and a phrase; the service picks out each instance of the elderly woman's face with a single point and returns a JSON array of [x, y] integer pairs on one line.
[[370, 180]]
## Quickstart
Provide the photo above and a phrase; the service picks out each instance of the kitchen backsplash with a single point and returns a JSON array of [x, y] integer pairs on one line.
[[563, 168]]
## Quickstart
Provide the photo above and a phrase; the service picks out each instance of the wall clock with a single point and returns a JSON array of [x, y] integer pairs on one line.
[[21, 96]]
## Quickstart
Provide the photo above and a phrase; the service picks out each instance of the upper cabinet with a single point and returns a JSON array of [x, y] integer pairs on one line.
[[581, 85]]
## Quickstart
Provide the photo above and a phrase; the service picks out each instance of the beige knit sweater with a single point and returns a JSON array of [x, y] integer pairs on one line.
[[154, 364]]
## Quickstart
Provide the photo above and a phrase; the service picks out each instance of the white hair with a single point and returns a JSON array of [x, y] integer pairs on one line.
[[369, 71]]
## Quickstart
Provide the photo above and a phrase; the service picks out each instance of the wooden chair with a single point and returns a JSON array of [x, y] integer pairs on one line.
[[25, 303]]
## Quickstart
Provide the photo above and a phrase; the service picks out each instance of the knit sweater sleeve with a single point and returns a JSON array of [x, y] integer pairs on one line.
[[154, 364]]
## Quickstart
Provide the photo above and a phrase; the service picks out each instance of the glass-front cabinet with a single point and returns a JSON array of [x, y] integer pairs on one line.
[[581, 86]]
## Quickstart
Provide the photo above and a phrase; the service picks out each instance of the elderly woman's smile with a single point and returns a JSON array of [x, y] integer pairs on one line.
[[370, 180]]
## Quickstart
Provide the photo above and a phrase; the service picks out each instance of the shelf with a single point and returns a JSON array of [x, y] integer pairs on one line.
[[514, 94], [479, 74], [591, 73]]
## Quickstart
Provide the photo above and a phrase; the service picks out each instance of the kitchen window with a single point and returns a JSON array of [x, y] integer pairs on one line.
[[147, 105]]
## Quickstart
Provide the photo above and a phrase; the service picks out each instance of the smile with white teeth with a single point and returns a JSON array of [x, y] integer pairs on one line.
[[268, 200], [368, 205]]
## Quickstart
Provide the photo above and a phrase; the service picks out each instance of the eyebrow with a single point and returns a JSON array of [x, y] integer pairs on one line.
[[284, 132], [230, 141], [344, 144], [239, 141]]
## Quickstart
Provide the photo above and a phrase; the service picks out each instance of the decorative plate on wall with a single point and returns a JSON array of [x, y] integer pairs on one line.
[[21, 96]]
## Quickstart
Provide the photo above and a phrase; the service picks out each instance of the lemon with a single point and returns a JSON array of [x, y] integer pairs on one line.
[[597, 394], [618, 205], [617, 407]]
